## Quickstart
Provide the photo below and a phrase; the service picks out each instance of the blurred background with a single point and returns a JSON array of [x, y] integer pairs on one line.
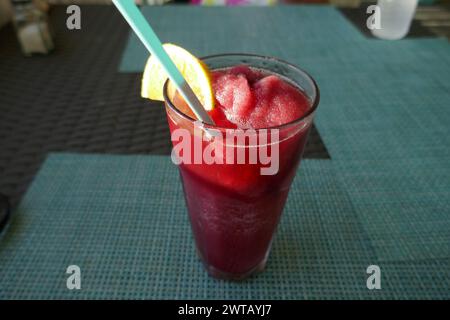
[[435, 16]]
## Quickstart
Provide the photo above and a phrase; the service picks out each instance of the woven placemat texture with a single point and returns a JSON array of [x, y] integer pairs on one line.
[[123, 221], [404, 205], [288, 32], [385, 124], [380, 100], [386, 100]]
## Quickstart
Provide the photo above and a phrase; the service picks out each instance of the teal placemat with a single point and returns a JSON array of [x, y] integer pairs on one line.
[[392, 103], [122, 219], [383, 103], [385, 123], [404, 205], [288, 32]]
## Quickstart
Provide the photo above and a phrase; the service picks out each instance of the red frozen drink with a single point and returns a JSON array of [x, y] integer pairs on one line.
[[234, 206]]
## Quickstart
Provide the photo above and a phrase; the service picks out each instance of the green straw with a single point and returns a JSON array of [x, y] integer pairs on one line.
[[151, 41]]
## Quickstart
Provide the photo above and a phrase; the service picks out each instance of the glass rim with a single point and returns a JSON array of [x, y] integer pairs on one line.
[[310, 111]]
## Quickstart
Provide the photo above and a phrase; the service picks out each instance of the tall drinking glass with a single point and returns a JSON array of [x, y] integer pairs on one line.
[[234, 207]]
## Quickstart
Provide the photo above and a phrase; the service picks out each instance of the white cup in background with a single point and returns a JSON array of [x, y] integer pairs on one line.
[[396, 17]]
